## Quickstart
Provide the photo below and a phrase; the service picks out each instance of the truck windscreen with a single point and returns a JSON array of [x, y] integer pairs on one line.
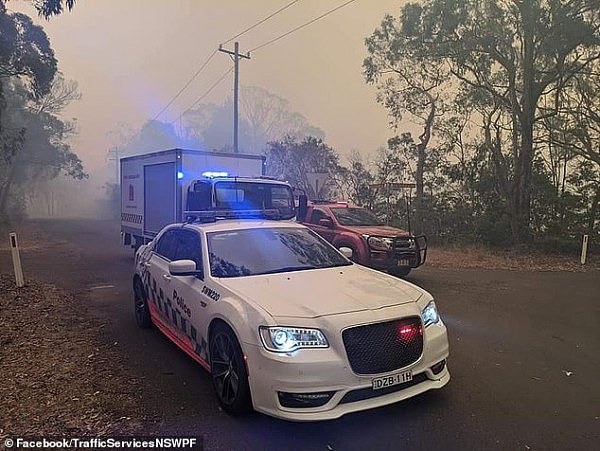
[[242, 195]]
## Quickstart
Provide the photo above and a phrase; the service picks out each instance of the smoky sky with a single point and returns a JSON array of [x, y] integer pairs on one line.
[[131, 57]]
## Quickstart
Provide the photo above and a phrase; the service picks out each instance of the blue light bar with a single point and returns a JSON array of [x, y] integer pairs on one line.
[[214, 174]]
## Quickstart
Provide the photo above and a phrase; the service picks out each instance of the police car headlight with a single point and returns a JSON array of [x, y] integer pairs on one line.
[[288, 339], [380, 243], [430, 314]]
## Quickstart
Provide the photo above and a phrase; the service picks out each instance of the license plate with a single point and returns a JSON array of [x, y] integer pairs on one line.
[[392, 379], [403, 262]]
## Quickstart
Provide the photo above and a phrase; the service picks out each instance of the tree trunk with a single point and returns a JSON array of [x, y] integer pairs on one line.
[[418, 223], [5, 190], [420, 172], [523, 169]]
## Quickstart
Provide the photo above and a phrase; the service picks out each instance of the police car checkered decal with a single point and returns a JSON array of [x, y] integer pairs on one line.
[[165, 305]]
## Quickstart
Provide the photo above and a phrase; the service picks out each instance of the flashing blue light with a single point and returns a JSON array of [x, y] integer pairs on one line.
[[214, 174], [179, 175]]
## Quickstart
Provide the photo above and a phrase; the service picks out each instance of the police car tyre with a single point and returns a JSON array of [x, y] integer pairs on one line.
[[142, 312], [228, 371], [399, 272]]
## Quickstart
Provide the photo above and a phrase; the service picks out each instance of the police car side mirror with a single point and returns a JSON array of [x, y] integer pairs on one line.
[[346, 252], [184, 268]]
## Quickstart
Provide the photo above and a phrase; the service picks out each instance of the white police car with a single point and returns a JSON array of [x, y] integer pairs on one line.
[[285, 323]]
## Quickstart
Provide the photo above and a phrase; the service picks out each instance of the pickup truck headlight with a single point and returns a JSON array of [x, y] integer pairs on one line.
[[430, 314], [380, 243], [288, 339]]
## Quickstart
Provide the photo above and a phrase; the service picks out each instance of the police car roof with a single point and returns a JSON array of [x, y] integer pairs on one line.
[[224, 225]]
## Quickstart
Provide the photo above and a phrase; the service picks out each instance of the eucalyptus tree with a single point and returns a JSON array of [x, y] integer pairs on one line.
[[42, 151], [291, 160], [576, 131], [264, 117], [411, 85], [512, 54], [358, 181]]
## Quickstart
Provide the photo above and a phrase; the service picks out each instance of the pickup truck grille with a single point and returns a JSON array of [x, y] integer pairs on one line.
[[382, 347]]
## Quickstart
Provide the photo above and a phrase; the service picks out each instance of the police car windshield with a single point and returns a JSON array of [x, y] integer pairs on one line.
[[250, 252], [349, 216]]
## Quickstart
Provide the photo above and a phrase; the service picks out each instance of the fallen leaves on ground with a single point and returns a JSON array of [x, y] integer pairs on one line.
[[473, 257], [58, 376]]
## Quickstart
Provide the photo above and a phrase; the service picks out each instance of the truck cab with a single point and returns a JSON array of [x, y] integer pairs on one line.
[[165, 187], [249, 194], [373, 243]]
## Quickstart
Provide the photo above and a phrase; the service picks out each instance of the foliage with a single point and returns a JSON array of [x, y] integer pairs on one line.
[[411, 85], [48, 8], [510, 60], [358, 182], [154, 136], [264, 117], [25, 52], [42, 152], [291, 160]]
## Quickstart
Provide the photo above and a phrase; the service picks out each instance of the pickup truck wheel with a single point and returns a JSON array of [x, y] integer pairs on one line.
[[228, 371], [399, 272], [140, 300]]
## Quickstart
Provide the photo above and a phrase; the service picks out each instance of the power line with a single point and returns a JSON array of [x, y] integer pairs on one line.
[[186, 85], [254, 49], [215, 51], [301, 26], [213, 86], [261, 22]]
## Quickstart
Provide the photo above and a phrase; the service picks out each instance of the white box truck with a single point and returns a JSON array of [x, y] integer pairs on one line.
[[155, 186]]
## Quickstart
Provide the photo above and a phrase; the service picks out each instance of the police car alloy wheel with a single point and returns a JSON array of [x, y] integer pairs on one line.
[[142, 314], [228, 371]]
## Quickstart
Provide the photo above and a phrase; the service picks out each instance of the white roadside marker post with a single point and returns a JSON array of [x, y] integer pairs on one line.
[[14, 247], [584, 247]]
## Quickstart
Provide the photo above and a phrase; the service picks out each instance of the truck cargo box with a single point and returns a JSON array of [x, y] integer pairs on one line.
[[154, 186]]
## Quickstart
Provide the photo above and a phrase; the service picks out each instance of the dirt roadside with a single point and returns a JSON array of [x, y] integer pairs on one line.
[[59, 377]]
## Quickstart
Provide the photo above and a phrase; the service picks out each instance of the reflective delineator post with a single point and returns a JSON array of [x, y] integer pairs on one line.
[[584, 247], [14, 247]]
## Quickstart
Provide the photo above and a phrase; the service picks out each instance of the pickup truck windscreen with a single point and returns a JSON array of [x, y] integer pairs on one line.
[[349, 216]]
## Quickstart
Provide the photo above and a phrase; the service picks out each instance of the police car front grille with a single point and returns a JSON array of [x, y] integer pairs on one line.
[[382, 347]]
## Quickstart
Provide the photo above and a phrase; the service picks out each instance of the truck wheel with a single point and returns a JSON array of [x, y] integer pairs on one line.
[[228, 371], [140, 300], [402, 271], [137, 242]]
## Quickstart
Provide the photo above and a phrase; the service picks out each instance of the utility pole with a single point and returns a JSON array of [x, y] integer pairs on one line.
[[236, 58], [114, 152]]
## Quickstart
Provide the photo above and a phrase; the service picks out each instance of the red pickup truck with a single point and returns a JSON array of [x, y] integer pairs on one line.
[[373, 244]]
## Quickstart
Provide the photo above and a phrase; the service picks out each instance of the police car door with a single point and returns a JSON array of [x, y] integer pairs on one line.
[[188, 310], [159, 282]]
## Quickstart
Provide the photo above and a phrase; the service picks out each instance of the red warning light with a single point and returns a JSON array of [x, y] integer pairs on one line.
[[408, 332]]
